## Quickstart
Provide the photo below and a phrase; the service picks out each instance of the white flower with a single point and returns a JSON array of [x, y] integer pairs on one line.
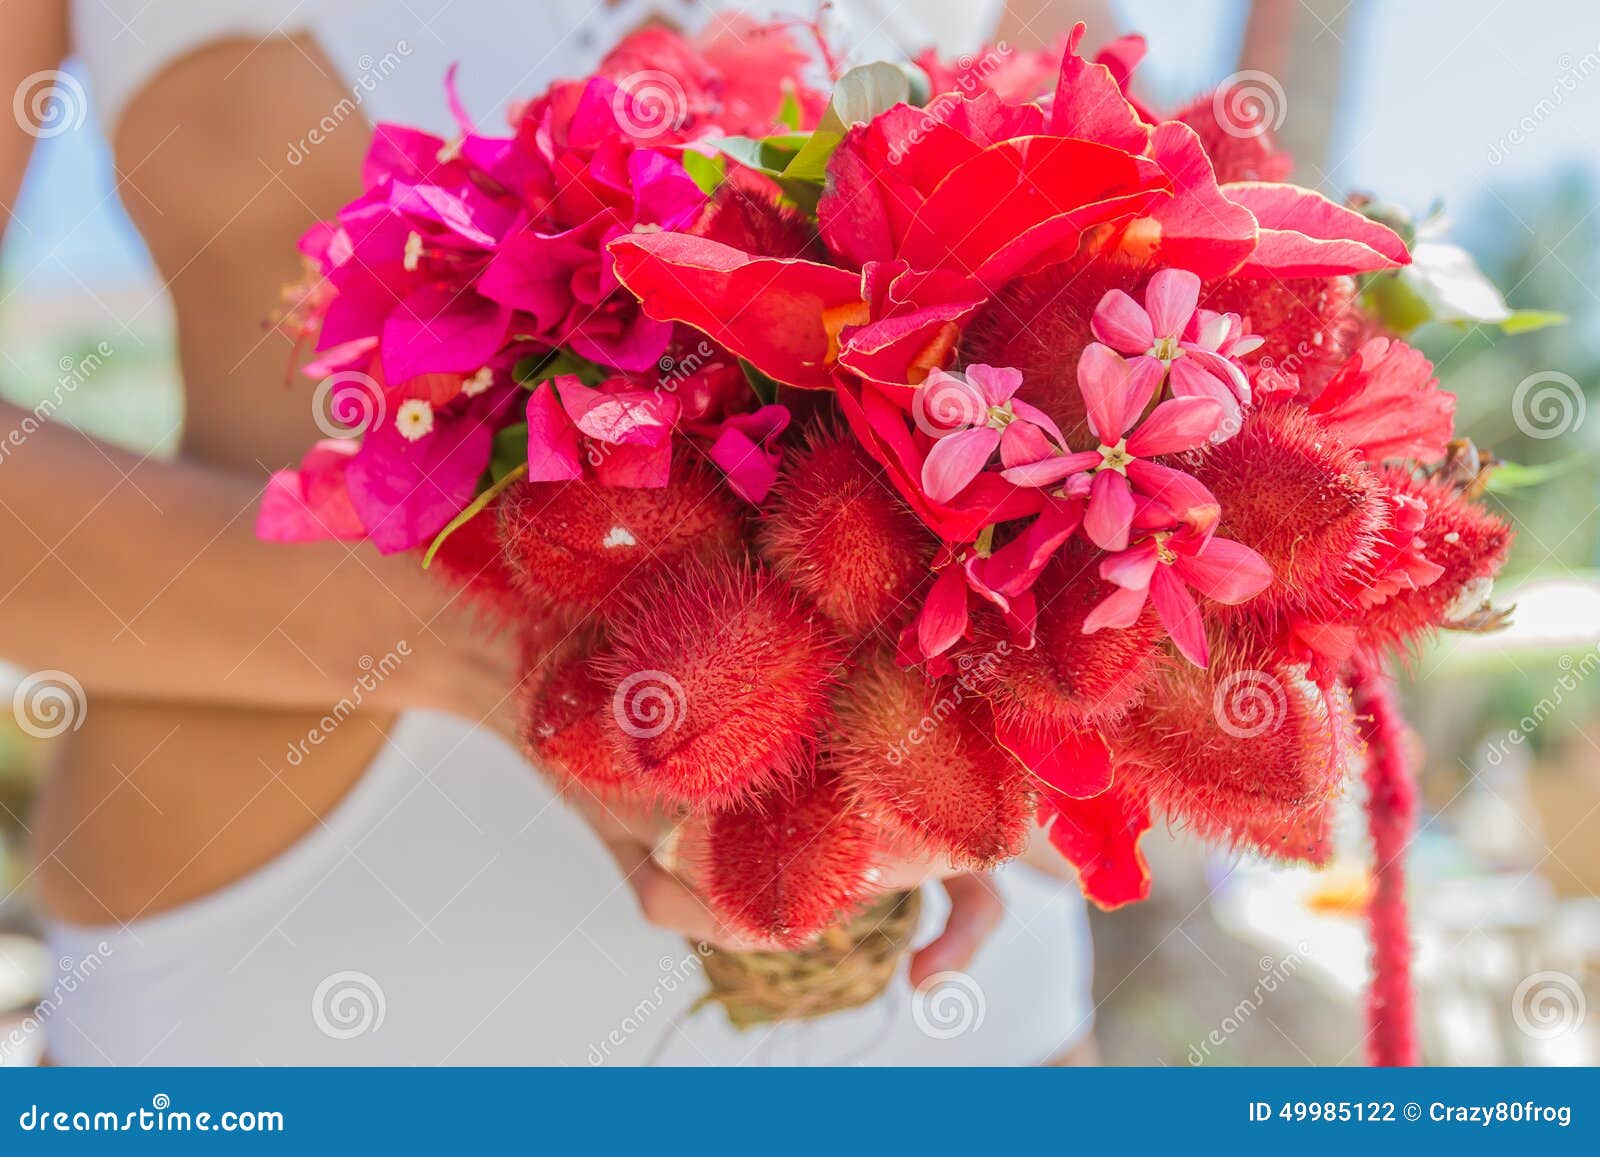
[[414, 419], [478, 382], [413, 252]]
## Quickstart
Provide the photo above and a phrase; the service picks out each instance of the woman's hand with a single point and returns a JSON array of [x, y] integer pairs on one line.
[[643, 843]]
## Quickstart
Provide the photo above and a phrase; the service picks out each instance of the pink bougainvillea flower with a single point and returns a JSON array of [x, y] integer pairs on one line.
[[1169, 330], [747, 450], [312, 503], [629, 431], [1162, 568], [1116, 391], [972, 415]]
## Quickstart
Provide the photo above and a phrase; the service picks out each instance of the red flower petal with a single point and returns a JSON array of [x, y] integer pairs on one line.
[[1180, 614], [944, 616], [1176, 425], [955, 460], [1100, 838], [1110, 513], [1073, 763], [1226, 571], [1303, 234], [767, 310], [1089, 103]]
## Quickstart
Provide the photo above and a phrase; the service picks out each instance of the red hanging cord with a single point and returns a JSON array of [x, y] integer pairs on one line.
[[1391, 817]]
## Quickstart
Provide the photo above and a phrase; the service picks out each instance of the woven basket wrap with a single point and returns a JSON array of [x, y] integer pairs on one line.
[[846, 967]]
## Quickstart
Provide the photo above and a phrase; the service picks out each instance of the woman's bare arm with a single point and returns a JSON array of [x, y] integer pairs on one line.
[[144, 579]]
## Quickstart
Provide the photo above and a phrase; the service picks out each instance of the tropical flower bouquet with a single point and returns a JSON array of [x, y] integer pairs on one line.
[[970, 447]]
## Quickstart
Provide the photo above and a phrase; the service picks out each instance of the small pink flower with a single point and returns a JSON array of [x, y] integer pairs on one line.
[[1193, 347], [1163, 567], [1116, 392], [971, 415]]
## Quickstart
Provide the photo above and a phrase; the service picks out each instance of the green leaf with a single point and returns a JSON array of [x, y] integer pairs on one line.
[[811, 162], [764, 388], [1398, 305], [1509, 476], [1528, 320], [705, 171], [536, 368], [789, 111], [509, 450], [477, 507]]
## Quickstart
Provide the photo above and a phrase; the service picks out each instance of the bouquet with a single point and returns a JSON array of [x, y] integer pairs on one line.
[[970, 447]]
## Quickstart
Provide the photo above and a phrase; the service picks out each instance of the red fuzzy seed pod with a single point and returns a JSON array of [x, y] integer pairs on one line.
[[789, 864], [1308, 505], [581, 547], [471, 558], [565, 724], [750, 218], [1233, 126], [1466, 542], [1236, 748], [1311, 325], [1067, 679], [720, 683], [1039, 324], [1305, 839], [837, 533], [916, 759]]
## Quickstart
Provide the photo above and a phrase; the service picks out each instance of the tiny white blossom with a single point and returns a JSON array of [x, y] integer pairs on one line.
[[414, 419], [478, 382]]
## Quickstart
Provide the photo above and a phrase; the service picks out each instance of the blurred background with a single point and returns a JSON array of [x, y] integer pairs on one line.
[[1488, 109]]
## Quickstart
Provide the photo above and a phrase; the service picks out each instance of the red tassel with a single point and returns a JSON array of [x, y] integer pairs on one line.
[[1391, 817]]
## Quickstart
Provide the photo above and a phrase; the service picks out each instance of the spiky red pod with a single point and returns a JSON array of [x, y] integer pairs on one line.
[[1311, 325], [790, 863], [838, 533], [720, 682], [582, 547], [913, 755], [1308, 505], [746, 215], [1305, 839], [1236, 136], [1460, 539], [564, 725], [1391, 814], [1067, 679], [1039, 324], [1242, 744], [471, 558]]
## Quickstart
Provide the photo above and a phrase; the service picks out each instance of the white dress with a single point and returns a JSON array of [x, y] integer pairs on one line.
[[450, 910]]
